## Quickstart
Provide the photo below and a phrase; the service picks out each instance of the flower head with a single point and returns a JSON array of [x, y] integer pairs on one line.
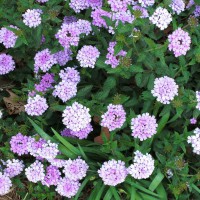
[[198, 100], [5, 184], [194, 140], [146, 3], [62, 57], [165, 89], [7, 64], [70, 74], [193, 121], [177, 6]]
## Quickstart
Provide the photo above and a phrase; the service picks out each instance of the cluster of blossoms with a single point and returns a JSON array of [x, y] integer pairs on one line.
[[142, 167], [198, 100], [194, 140], [76, 117], [179, 42], [146, 3], [32, 18], [165, 89], [113, 172], [67, 88], [177, 6], [45, 83], [42, 1], [197, 11], [112, 59], [143, 126], [7, 64], [5, 184], [87, 56], [7, 37], [36, 106], [62, 57], [114, 117], [161, 18], [44, 60]]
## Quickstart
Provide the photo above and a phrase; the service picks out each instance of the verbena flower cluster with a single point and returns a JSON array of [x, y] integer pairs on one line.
[[7, 64], [198, 100], [194, 140]]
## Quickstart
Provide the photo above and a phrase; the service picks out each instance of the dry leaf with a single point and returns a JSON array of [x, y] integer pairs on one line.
[[99, 139]]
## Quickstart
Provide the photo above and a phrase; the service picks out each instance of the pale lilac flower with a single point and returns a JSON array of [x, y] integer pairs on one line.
[[13, 167], [84, 26], [94, 4], [35, 172], [177, 6], [32, 18], [111, 59], [7, 64], [76, 117], [83, 133], [62, 57], [190, 4], [75, 169], [36, 106], [146, 3], [114, 117], [7, 37], [69, 19], [142, 167], [143, 126], [19, 144], [194, 140], [193, 121], [70, 74], [42, 1], [67, 187], [113, 172], [198, 100], [5, 184], [119, 5], [123, 16], [87, 56], [65, 90], [79, 5], [44, 60], [197, 11], [52, 176], [165, 89], [67, 133], [161, 18], [179, 42], [57, 162]]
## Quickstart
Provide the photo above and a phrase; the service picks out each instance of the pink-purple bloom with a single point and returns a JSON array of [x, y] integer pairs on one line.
[[198, 100], [165, 89], [114, 117], [146, 3], [113, 172], [5, 184], [63, 57], [194, 140], [177, 6], [70, 74], [193, 120], [7, 64], [179, 42], [119, 5], [143, 126]]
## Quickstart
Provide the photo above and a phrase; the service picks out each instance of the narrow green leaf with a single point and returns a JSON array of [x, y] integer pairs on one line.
[[156, 181], [108, 195], [163, 122], [115, 193]]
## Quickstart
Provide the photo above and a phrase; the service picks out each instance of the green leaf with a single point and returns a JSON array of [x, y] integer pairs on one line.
[[115, 193], [84, 91], [109, 83], [118, 47], [136, 68], [162, 192], [156, 181], [108, 195], [162, 123], [195, 188]]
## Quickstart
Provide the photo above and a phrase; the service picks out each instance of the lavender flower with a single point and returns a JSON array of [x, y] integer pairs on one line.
[[19, 144], [36, 106], [76, 117], [67, 187], [32, 18], [161, 18], [193, 121], [142, 167], [42, 1], [177, 6], [114, 117], [75, 169], [84, 26], [83, 133], [198, 100], [70, 74], [146, 3], [119, 5], [7, 64], [165, 89], [87, 56], [5, 184], [35, 172], [179, 42], [197, 11], [113, 172], [194, 140], [143, 126], [59, 163], [62, 57], [77, 6]]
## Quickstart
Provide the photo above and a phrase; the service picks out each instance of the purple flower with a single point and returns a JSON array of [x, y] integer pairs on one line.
[[144, 12], [114, 117], [35, 172], [19, 144], [13, 167], [75, 169], [70, 74], [95, 3], [190, 4], [165, 89], [198, 100], [69, 19], [7, 37], [65, 90], [193, 121], [5, 184], [83, 133], [76, 117], [197, 11], [36, 106], [79, 5], [119, 5], [46, 83], [146, 3], [59, 163], [52, 176], [87, 56], [67, 133], [67, 187], [111, 59], [123, 16], [32, 18], [84, 26], [179, 42], [113, 172], [194, 140], [143, 126], [62, 57], [42, 1], [44, 60], [177, 6], [142, 167], [161, 18], [7, 64]]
